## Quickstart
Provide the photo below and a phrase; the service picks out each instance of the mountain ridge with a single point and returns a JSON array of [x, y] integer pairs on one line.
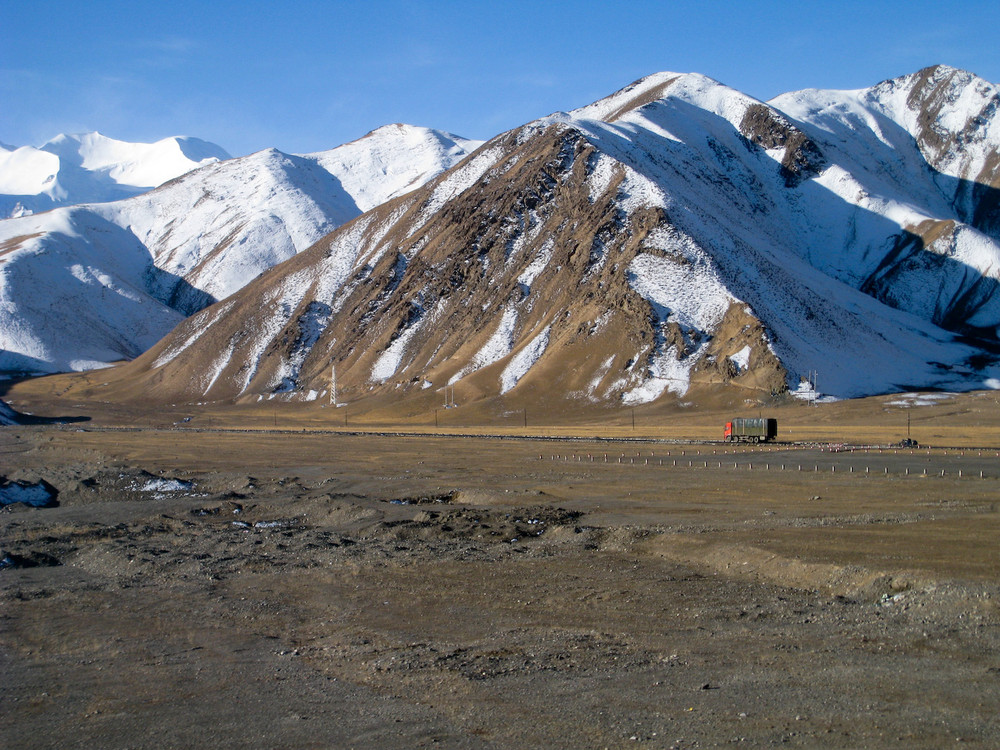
[[696, 239], [90, 167], [173, 250], [674, 240]]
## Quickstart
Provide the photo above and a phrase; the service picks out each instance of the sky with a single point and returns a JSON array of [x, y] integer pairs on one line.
[[305, 76]]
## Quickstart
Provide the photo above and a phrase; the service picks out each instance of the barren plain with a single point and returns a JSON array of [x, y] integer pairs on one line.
[[216, 577]]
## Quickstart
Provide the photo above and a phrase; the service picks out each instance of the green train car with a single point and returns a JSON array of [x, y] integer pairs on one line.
[[752, 430]]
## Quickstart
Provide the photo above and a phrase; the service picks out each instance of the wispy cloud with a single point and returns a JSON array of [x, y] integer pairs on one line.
[[171, 44], [163, 52]]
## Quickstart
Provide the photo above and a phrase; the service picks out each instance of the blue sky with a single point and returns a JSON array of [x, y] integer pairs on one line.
[[307, 76]]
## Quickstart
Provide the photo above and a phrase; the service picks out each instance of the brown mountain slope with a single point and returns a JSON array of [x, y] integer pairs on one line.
[[675, 243], [529, 260]]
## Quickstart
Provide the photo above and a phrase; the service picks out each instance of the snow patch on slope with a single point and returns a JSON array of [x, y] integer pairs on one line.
[[497, 347], [524, 360], [741, 358], [689, 294], [668, 371], [172, 352], [601, 175], [311, 324], [537, 265], [388, 363], [460, 180]]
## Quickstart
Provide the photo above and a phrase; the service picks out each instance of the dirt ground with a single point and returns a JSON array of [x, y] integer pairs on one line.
[[290, 589]]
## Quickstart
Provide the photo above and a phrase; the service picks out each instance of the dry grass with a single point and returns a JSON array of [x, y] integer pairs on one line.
[[959, 420], [824, 609]]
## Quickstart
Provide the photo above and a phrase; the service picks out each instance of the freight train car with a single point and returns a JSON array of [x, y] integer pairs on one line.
[[752, 430]]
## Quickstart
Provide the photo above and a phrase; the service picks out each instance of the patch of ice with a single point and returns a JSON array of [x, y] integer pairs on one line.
[[36, 495], [804, 391], [7, 415], [166, 485]]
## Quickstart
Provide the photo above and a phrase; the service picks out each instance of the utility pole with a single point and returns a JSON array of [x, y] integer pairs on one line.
[[334, 400], [813, 377]]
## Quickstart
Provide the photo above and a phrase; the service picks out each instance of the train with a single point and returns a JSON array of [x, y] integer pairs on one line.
[[751, 430]]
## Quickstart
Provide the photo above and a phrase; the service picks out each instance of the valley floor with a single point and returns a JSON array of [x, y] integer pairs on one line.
[[315, 590]]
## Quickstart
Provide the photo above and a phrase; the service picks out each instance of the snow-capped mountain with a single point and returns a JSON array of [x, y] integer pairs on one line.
[[392, 160], [671, 239], [91, 168], [86, 285]]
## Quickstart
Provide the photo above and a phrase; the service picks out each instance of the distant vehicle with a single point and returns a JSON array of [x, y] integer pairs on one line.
[[752, 430], [908, 443]]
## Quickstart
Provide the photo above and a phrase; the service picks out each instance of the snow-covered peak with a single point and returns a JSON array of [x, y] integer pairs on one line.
[[122, 273], [27, 171], [392, 160], [955, 95], [692, 89], [95, 151], [140, 165], [631, 97], [934, 134], [950, 114], [92, 168], [733, 240], [262, 209], [695, 110]]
